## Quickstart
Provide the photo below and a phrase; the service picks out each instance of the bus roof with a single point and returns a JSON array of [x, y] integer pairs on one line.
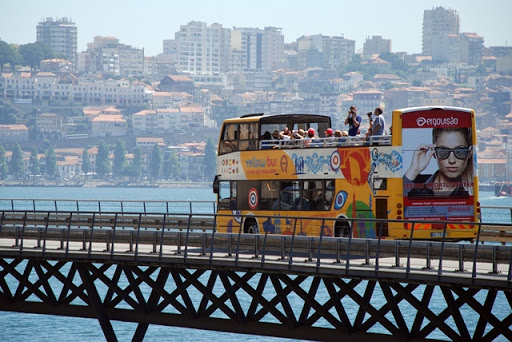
[[279, 118], [416, 109]]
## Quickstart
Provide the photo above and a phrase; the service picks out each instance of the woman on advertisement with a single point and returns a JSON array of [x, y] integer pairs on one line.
[[452, 149]]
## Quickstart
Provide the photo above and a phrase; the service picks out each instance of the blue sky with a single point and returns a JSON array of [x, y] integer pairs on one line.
[[145, 24]]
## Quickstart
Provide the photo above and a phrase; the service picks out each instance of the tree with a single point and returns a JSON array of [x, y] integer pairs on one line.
[[16, 166], [210, 160], [86, 163], [8, 114], [35, 165], [3, 163], [102, 160], [8, 55], [34, 53], [134, 170], [119, 158], [51, 162], [171, 166], [156, 162]]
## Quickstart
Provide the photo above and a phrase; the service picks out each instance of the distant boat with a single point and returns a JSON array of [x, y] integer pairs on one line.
[[503, 189]]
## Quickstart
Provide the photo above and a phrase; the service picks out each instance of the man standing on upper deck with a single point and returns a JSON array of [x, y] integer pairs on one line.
[[353, 121], [379, 124]]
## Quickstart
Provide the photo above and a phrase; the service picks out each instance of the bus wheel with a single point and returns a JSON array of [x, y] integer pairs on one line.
[[251, 226], [342, 229]]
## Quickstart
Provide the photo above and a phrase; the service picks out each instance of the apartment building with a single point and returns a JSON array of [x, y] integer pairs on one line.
[[48, 125], [203, 49], [44, 87], [106, 55], [324, 51], [256, 50], [105, 125], [447, 48], [13, 133], [169, 99], [471, 48], [61, 35], [167, 120], [437, 22], [376, 45], [367, 100]]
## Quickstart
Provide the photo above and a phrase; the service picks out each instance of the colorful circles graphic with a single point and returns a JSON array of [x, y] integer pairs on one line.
[[253, 198], [341, 198], [335, 161]]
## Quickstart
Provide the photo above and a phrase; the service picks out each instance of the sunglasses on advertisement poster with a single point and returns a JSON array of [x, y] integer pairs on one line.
[[458, 152]]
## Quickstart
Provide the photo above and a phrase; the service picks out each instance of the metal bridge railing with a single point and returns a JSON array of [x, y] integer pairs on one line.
[[193, 239], [121, 206]]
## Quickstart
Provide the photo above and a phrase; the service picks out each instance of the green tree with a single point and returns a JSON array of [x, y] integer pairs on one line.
[[86, 162], [134, 170], [8, 114], [51, 162], [35, 165], [171, 166], [103, 160], [34, 53], [210, 160], [156, 162], [119, 158], [8, 55], [3, 163], [16, 166]]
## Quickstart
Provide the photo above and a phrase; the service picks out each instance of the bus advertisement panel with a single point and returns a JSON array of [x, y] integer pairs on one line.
[[439, 165]]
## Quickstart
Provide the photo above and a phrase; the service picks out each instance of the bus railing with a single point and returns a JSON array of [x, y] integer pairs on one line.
[[94, 235], [381, 140]]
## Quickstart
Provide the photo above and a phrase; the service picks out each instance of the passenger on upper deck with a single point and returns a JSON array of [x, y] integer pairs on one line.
[[380, 123], [353, 121]]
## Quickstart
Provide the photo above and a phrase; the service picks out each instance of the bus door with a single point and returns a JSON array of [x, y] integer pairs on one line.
[[381, 212]]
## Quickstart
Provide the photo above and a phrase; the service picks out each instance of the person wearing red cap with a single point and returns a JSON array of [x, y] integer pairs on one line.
[[328, 137]]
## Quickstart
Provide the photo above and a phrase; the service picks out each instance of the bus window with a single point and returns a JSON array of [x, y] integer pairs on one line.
[[313, 193], [290, 198], [229, 141], [269, 194], [248, 136], [224, 195]]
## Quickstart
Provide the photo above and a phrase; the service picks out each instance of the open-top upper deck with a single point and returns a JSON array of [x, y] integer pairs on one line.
[[262, 132]]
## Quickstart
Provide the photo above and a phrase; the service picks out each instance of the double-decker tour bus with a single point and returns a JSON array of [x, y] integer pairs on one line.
[[424, 170]]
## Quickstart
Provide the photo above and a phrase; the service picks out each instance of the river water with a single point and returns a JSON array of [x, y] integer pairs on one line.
[[16, 327]]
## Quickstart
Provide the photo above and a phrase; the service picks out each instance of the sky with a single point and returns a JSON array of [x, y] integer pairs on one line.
[[145, 24]]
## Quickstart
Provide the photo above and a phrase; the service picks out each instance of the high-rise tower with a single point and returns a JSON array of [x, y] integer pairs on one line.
[[438, 21], [60, 35]]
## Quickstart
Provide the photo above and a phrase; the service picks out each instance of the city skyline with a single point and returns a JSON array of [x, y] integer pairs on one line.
[[147, 27]]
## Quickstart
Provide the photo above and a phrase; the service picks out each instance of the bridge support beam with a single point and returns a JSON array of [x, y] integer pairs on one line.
[[95, 302]]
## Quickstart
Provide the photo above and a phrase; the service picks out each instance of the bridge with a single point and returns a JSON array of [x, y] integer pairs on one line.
[[170, 267]]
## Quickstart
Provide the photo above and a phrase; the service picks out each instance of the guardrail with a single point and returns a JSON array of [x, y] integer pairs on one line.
[[500, 214], [93, 235], [121, 206]]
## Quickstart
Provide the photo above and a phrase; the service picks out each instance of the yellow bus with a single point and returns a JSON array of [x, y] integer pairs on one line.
[[423, 170]]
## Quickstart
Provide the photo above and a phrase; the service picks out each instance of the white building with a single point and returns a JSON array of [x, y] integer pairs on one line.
[[108, 126], [167, 120], [436, 22], [59, 34], [107, 55], [203, 49], [257, 50]]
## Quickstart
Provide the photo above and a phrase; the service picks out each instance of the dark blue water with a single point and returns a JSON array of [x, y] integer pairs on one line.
[[16, 327]]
